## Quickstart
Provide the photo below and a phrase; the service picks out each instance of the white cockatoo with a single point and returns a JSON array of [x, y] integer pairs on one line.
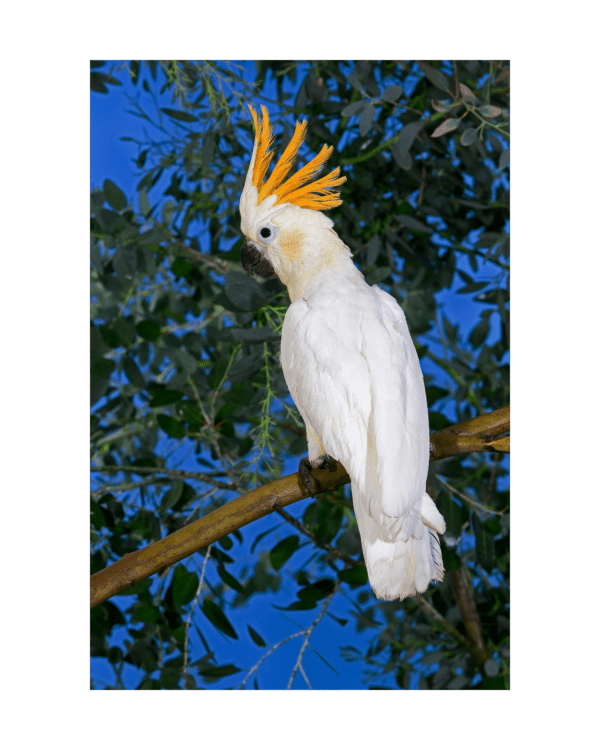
[[349, 362]]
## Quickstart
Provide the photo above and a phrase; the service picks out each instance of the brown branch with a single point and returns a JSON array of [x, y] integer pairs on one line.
[[174, 473], [443, 623], [139, 565], [470, 617], [481, 434], [464, 596]]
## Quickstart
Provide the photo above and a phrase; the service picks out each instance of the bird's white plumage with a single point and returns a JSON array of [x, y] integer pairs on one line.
[[353, 372], [354, 375]]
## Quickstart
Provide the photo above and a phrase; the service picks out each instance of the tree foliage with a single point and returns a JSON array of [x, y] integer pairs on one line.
[[189, 404]]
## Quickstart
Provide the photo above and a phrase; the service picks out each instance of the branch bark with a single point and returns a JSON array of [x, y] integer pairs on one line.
[[463, 591], [477, 434]]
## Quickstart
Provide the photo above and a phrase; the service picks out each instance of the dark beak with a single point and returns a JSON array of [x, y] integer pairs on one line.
[[252, 260]]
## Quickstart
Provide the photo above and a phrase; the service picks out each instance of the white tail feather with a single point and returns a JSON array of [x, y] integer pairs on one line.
[[405, 566]]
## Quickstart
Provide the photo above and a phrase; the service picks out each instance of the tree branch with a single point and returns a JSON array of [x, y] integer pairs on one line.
[[487, 433], [134, 567], [470, 617]]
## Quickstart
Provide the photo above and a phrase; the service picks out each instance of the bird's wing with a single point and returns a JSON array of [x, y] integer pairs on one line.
[[399, 419], [328, 376], [354, 375]]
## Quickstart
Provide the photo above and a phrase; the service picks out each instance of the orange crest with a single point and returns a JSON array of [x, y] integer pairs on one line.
[[300, 189]]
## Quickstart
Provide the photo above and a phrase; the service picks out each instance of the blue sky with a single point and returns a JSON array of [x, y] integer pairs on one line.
[[112, 158]]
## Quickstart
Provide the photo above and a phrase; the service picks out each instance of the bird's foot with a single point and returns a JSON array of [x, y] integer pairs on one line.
[[305, 468]]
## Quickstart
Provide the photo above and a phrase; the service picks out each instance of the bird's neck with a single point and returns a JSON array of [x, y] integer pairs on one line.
[[324, 261]]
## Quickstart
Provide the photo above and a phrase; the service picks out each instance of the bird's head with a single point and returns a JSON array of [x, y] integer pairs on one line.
[[281, 219]]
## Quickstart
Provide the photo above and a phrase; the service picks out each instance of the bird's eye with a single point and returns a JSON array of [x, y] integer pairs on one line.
[[265, 232]]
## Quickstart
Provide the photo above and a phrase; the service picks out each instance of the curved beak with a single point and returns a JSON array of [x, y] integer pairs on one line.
[[252, 260]]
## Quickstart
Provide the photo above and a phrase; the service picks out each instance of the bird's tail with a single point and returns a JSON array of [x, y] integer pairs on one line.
[[404, 565]]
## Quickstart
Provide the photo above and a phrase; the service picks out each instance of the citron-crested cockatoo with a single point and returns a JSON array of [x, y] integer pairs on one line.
[[349, 363]]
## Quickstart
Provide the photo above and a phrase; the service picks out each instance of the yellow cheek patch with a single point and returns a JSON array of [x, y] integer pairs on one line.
[[291, 242]]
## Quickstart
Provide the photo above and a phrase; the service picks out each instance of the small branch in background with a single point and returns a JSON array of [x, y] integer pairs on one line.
[[307, 634], [466, 498], [127, 486], [324, 545], [173, 473], [210, 423], [193, 606], [269, 652], [440, 619], [463, 591]]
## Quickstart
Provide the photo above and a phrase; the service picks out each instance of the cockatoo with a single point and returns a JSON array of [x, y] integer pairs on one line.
[[349, 363]]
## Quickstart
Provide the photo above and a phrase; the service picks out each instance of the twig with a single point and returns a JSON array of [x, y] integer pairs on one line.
[[194, 602], [466, 498], [174, 473], [440, 619], [303, 673], [95, 494], [319, 542], [470, 616], [269, 652], [308, 633]]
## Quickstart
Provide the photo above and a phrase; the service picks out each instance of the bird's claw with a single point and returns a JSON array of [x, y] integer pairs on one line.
[[305, 467]]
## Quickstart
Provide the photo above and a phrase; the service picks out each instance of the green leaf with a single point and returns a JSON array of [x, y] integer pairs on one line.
[[171, 426], [356, 576], [217, 672], [133, 372], [215, 615], [484, 546], [311, 594], [181, 267], [392, 93], [230, 580], [355, 108], [260, 536], [256, 637], [244, 291], [434, 393], [283, 551], [164, 396], [435, 76], [148, 330], [172, 495], [487, 110], [225, 542], [296, 606], [450, 559], [437, 421], [401, 150], [413, 224], [452, 513], [493, 526], [176, 114], [184, 586], [469, 136], [146, 613], [339, 620], [115, 197], [479, 334], [474, 287], [216, 374]]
